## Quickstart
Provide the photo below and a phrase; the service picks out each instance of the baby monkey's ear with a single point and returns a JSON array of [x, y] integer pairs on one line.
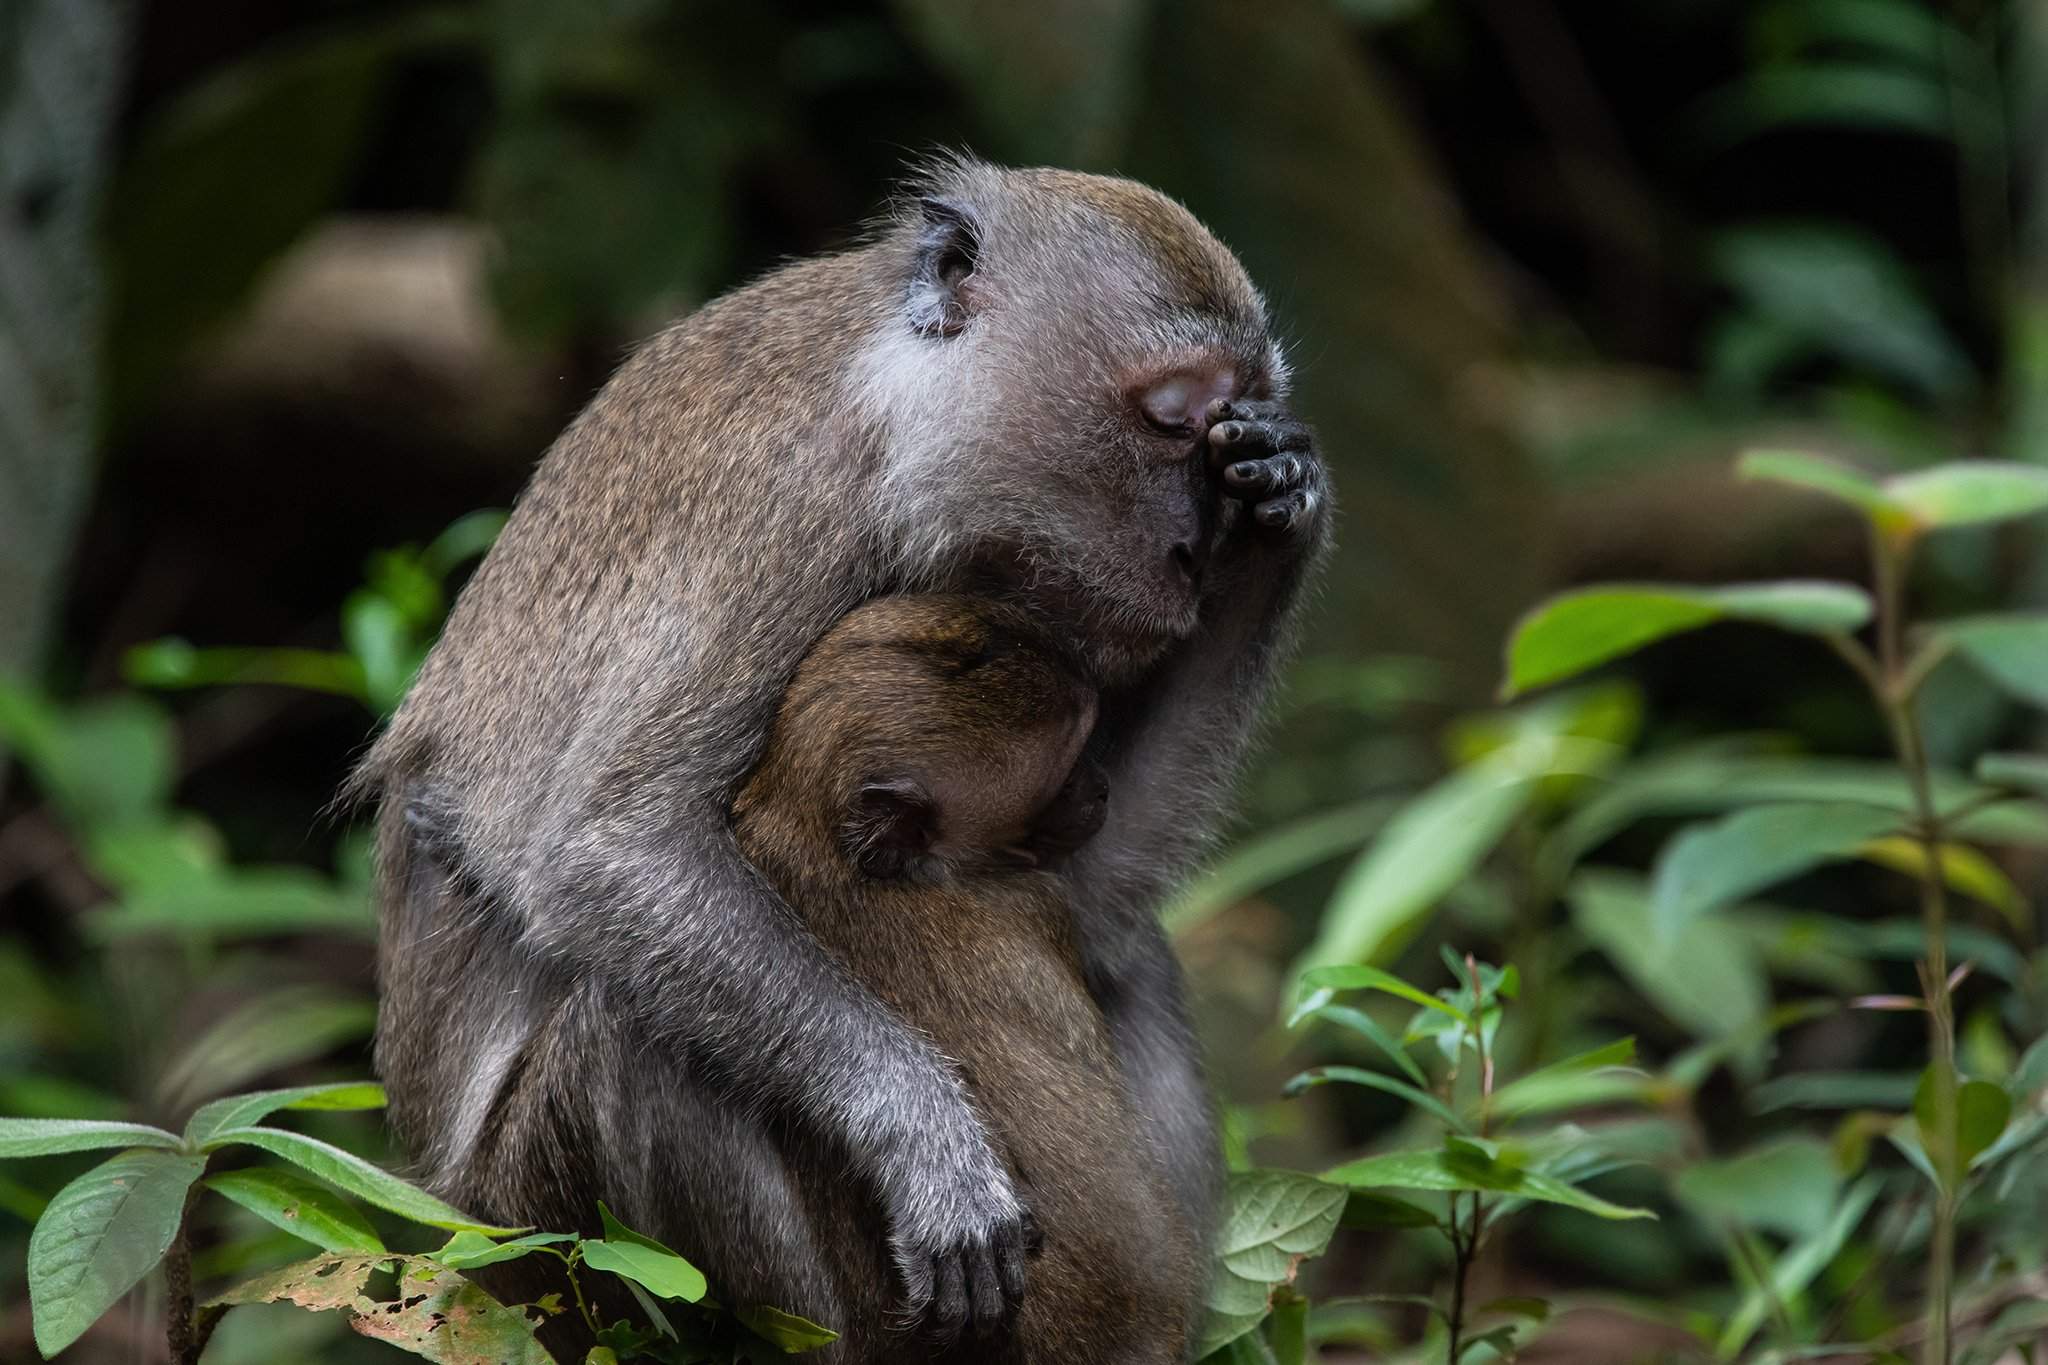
[[889, 824], [942, 286]]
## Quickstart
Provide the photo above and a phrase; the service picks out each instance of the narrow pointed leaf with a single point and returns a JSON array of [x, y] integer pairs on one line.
[[1839, 481], [1578, 630], [793, 1334], [2028, 772], [47, 1137], [1359, 977], [360, 1178], [1446, 1170], [100, 1235], [467, 1250], [209, 1121], [1373, 1080], [1966, 870], [1368, 1028]]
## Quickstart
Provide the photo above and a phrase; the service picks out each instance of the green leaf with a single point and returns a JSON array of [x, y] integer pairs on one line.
[[47, 1137], [2012, 650], [100, 1235], [1970, 492], [304, 1208], [1358, 977], [1817, 475], [266, 1033], [1787, 1187], [209, 1121], [1588, 1078], [1797, 1268], [1435, 841], [1464, 1169], [1275, 1220], [644, 1261], [1578, 630], [240, 901], [1365, 1026], [1709, 865], [1373, 1080], [177, 664], [103, 762], [1274, 856], [1364, 1209], [793, 1334], [2024, 771], [1706, 978], [1982, 1111], [357, 1176], [466, 1250], [1964, 869]]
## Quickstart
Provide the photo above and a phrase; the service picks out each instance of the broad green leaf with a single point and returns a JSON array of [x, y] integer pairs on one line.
[[1965, 869], [2012, 650], [467, 1250], [1275, 1220], [357, 1176], [304, 1208], [644, 1261], [102, 762], [100, 1235], [1982, 1111], [1788, 1186], [1706, 978], [1578, 630], [1709, 865], [1434, 842], [1819, 475], [1364, 1209], [1970, 492], [1445, 1169], [793, 1334], [437, 1314], [46, 1137], [1373, 1080], [2025, 771], [209, 1121]]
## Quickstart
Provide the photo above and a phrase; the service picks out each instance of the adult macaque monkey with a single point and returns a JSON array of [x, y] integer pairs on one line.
[[1053, 389]]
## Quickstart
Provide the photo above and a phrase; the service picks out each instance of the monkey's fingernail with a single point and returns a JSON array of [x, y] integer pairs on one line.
[[1226, 433], [1244, 469], [1219, 409]]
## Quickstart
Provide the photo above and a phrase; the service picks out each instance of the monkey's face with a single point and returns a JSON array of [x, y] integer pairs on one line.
[[1087, 325]]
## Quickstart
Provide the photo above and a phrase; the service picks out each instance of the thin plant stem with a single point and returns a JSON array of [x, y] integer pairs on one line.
[[1461, 1252], [1899, 681], [178, 1324]]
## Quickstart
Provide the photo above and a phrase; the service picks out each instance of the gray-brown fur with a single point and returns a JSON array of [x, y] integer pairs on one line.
[[946, 729], [554, 842]]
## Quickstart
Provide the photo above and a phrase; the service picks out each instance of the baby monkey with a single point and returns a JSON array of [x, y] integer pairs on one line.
[[921, 783]]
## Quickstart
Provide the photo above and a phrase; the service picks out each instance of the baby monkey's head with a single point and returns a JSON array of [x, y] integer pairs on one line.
[[936, 735]]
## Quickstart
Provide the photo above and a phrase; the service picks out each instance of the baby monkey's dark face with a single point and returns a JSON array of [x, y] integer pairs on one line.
[[959, 736]]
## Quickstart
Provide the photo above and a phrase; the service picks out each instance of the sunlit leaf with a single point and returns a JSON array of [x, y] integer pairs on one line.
[[100, 1235], [304, 1208], [357, 1176], [46, 1137], [1839, 481], [1584, 628], [1965, 870], [644, 1261], [468, 1250], [209, 1121], [793, 1334], [1970, 492]]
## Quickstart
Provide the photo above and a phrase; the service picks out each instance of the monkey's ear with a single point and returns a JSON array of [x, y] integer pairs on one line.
[[889, 823], [942, 282]]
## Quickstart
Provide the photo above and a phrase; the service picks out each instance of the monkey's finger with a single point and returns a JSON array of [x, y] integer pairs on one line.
[[1258, 480], [1010, 1250], [1241, 436], [984, 1285], [1288, 512], [949, 1302]]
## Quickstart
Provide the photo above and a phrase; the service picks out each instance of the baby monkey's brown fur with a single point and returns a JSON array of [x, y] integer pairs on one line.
[[922, 779]]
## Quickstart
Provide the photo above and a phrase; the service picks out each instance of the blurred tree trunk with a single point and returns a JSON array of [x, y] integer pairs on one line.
[[60, 63], [1271, 123]]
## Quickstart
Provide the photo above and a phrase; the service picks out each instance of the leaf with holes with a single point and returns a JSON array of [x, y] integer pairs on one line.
[[437, 1315], [100, 1235]]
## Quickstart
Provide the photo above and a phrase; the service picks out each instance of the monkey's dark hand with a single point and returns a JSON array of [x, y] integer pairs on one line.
[[960, 1244], [1268, 460]]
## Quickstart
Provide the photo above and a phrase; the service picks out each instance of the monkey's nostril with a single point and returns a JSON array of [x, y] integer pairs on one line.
[[1184, 560]]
